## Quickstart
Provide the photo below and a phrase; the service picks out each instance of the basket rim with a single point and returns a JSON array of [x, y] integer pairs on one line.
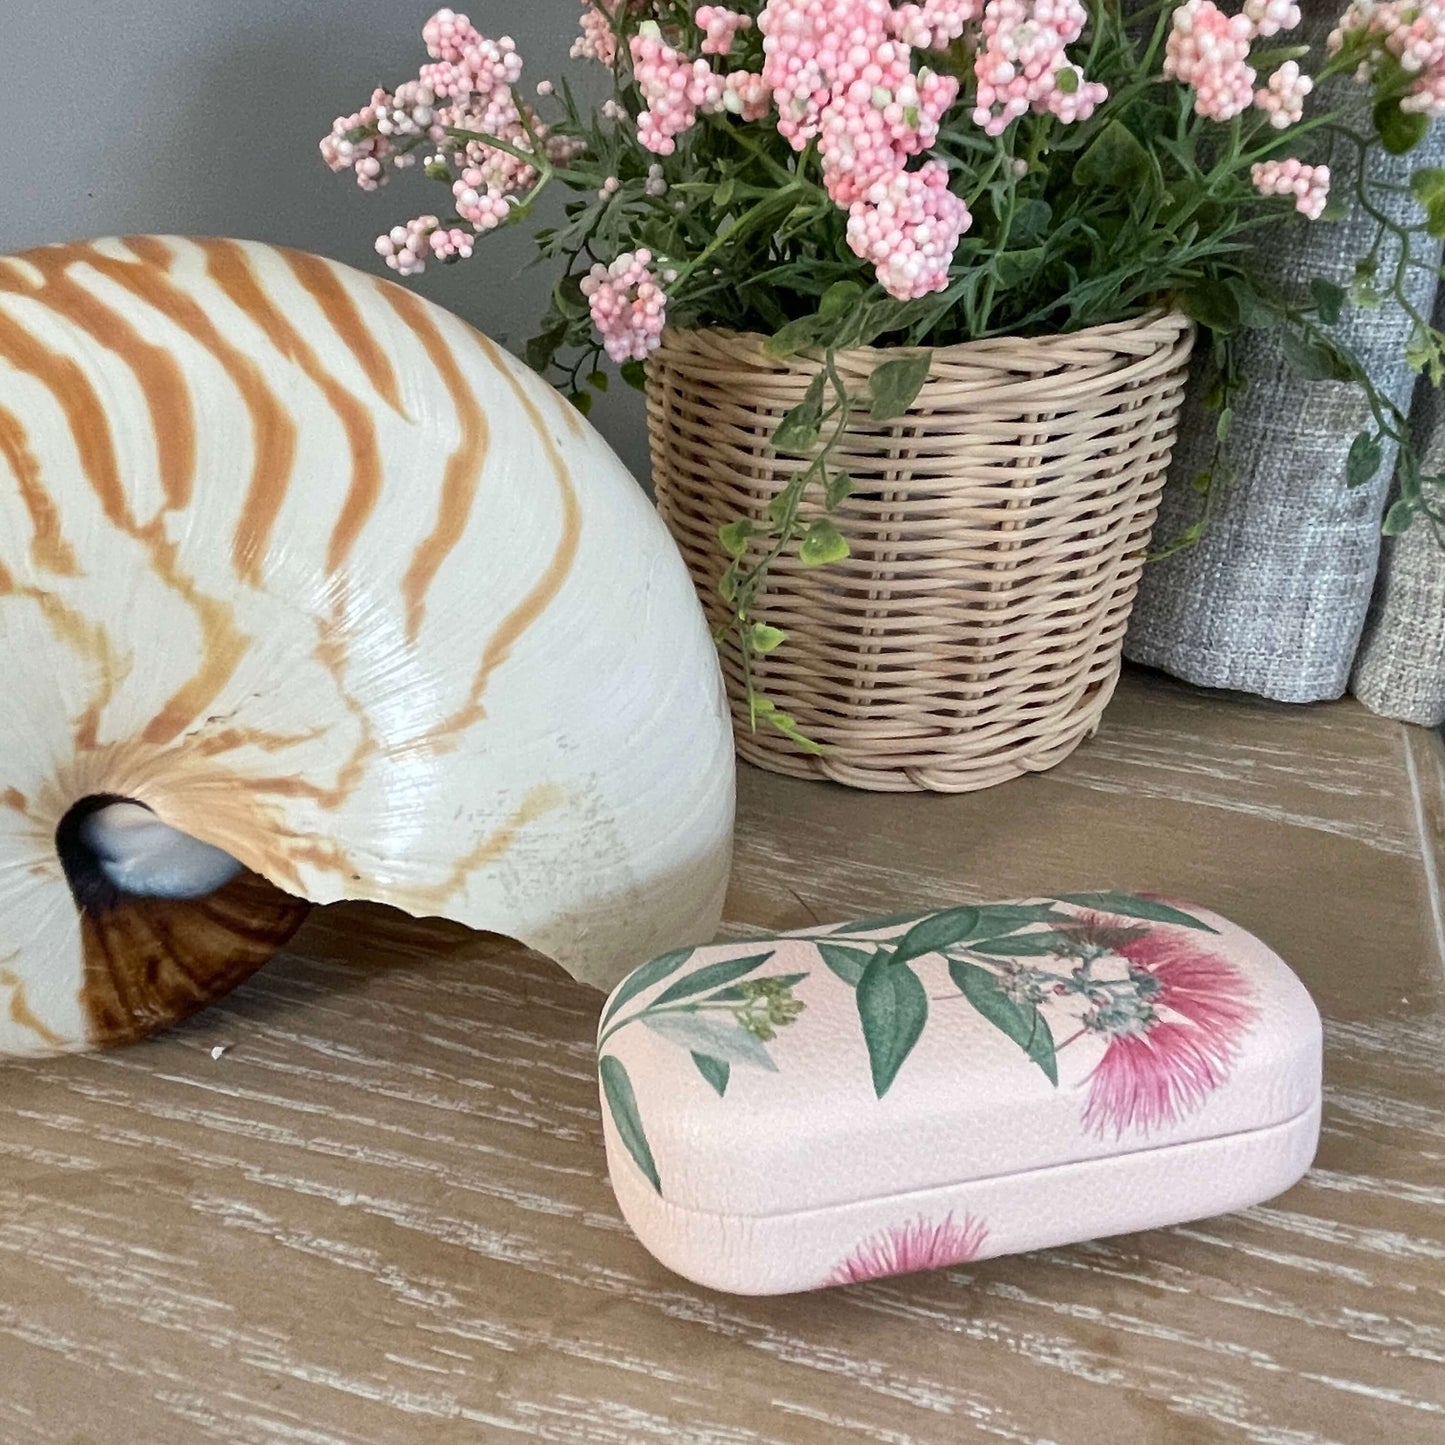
[[1170, 319]]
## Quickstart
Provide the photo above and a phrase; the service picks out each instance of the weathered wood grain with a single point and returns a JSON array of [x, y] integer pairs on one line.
[[382, 1214]]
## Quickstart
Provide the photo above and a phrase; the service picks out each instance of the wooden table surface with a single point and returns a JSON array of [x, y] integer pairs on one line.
[[382, 1215]]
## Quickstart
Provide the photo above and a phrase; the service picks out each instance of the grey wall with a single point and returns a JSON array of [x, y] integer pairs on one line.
[[203, 118]]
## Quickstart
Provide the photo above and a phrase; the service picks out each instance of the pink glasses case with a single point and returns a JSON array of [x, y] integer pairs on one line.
[[871, 1099]]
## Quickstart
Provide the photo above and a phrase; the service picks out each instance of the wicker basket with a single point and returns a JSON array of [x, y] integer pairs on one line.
[[997, 534]]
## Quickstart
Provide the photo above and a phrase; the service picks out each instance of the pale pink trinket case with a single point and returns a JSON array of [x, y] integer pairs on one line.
[[901, 1094]]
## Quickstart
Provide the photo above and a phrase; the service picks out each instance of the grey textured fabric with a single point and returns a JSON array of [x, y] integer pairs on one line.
[[1400, 670], [1273, 599]]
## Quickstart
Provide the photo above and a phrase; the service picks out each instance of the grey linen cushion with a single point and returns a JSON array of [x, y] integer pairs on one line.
[[1273, 599]]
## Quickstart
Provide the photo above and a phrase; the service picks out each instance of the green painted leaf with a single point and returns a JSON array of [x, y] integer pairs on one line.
[[718, 1035], [822, 543], [893, 1008], [736, 993], [1130, 905], [997, 918], [1363, 461], [644, 978], [871, 925], [715, 975], [1023, 1023], [937, 932], [715, 1071], [1018, 945], [894, 384], [847, 963], [622, 1103], [1400, 131]]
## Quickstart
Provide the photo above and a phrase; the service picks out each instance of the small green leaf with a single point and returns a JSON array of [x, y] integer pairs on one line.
[[837, 488], [1030, 225], [734, 536], [634, 373], [794, 337], [1216, 307], [717, 1035], [1363, 461], [1400, 518], [839, 299], [722, 197], [1428, 183], [766, 639], [1130, 905], [567, 297], [1316, 359], [798, 431], [937, 932], [894, 384], [644, 978], [847, 963], [822, 543], [582, 400], [1400, 131], [1329, 300], [597, 380], [622, 1104], [1021, 1022], [998, 918], [1116, 161], [715, 975], [715, 1071], [1223, 424], [893, 1008]]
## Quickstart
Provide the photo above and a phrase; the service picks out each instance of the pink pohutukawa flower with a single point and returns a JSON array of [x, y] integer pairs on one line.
[[1171, 1039], [908, 1248], [629, 307], [1309, 185]]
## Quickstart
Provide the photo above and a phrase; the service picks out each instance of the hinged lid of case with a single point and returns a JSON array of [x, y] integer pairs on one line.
[[874, 1059]]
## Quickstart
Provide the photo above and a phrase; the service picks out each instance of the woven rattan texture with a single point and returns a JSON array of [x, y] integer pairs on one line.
[[997, 534]]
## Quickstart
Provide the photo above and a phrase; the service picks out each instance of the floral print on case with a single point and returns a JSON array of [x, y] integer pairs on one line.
[[915, 1245], [1134, 976]]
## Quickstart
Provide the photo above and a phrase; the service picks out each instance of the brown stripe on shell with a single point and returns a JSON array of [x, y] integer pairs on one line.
[[273, 429], [15, 800], [49, 550], [22, 1014], [463, 469], [541, 594], [223, 644], [156, 370], [319, 278], [229, 267], [149, 962]]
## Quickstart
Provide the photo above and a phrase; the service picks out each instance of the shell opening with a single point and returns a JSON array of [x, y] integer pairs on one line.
[[113, 847]]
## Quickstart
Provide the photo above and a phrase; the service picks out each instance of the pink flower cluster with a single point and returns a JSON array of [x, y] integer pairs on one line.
[[907, 224], [468, 86], [407, 248], [597, 42], [628, 306], [1309, 185], [1209, 50], [677, 90], [1024, 64], [935, 24], [720, 27], [1282, 98], [1413, 33]]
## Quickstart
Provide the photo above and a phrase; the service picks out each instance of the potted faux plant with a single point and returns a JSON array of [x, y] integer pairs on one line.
[[912, 289]]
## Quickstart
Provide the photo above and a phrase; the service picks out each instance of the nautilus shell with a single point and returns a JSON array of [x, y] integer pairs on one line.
[[309, 592]]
